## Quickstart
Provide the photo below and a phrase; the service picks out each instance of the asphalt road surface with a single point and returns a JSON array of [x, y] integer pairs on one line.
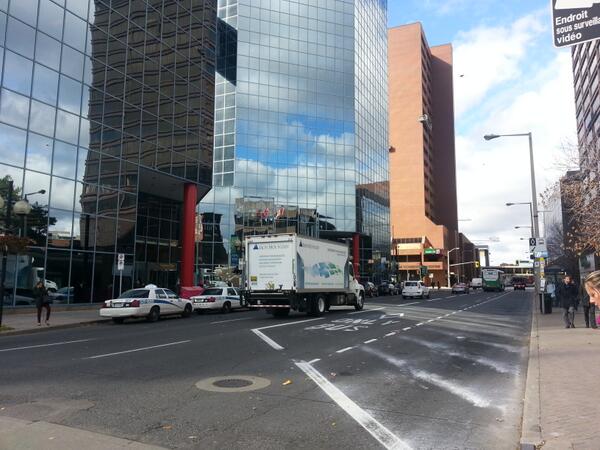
[[444, 373]]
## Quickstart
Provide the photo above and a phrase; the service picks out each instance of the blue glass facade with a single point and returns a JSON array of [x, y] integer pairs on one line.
[[301, 137], [107, 106]]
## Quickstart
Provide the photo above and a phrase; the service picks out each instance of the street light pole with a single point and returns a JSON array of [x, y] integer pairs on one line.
[[534, 205], [450, 251]]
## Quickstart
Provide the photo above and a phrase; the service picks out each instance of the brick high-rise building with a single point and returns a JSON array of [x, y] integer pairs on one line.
[[423, 205]]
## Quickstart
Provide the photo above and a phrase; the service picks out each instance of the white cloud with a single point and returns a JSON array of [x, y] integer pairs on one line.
[[490, 56], [534, 97]]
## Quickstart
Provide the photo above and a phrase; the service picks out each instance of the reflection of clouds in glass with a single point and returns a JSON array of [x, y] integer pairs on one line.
[[62, 193], [14, 108], [20, 37], [47, 51], [50, 18], [39, 153], [42, 118], [45, 84], [12, 145], [70, 95], [65, 160], [26, 10], [17, 73], [63, 225], [67, 127]]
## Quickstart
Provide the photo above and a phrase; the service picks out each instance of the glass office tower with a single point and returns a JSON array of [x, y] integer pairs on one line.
[[107, 107], [301, 134]]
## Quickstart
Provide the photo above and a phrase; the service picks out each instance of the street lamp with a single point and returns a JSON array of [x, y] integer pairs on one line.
[[530, 209], [450, 251], [534, 209]]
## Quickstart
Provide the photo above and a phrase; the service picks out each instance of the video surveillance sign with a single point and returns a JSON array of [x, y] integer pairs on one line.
[[575, 21]]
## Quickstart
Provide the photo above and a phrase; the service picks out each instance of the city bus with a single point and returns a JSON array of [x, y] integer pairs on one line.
[[492, 280]]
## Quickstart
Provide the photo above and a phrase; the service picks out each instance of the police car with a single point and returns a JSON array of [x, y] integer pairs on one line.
[[221, 298], [150, 302]]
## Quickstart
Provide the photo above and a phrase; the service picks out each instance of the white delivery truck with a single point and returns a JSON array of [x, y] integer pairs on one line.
[[286, 272]]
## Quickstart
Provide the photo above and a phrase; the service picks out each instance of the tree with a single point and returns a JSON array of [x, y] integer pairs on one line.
[[579, 193]]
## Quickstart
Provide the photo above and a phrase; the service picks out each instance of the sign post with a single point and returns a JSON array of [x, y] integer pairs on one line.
[[120, 267], [575, 21]]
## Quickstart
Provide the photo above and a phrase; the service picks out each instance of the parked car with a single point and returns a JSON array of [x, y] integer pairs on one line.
[[394, 289], [150, 302], [63, 295], [384, 288], [415, 289], [519, 284], [370, 289], [460, 288], [218, 298]]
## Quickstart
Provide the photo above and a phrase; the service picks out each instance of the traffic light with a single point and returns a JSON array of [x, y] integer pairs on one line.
[[477, 264]]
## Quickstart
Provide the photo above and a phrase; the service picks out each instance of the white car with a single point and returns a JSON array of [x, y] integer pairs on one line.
[[415, 289], [217, 298], [150, 302]]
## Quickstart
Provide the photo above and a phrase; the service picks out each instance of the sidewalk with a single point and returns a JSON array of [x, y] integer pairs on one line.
[[25, 321], [561, 407], [20, 434]]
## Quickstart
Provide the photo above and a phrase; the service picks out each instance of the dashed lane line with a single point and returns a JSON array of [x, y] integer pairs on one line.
[[344, 349], [138, 349], [53, 344]]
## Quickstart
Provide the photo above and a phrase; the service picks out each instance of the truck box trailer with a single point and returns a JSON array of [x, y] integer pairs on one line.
[[286, 272]]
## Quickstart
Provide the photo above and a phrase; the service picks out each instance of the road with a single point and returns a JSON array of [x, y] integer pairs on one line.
[[447, 372]]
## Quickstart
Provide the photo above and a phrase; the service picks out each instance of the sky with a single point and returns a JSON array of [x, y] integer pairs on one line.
[[508, 78]]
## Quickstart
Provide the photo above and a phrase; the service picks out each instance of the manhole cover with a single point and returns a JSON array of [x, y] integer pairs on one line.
[[230, 384]]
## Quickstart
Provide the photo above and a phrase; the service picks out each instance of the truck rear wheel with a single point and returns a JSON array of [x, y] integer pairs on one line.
[[317, 306], [360, 302], [280, 312]]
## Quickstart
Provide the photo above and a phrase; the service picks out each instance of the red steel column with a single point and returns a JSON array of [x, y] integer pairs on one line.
[[188, 246], [356, 255]]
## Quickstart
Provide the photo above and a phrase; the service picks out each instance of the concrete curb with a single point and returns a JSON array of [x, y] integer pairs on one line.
[[531, 429], [53, 327]]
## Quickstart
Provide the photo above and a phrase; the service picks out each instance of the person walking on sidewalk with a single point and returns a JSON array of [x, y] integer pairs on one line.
[[566, 293], [42, 300], [589, 307], [592, 287]]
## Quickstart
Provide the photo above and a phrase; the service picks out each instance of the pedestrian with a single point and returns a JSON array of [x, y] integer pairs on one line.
[[439, 285], [589, 308], [592, 288], [566, 293], [42, 300]]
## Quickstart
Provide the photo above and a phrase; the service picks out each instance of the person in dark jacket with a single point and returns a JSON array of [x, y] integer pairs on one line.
[[589, 308], [567, 293], [40, 294]]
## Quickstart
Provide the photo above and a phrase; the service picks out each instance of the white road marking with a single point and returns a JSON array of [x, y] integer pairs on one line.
[[231, 320], [43, 345], [367, 310], [407, 328], [271, 342], [384, 436], [430, 320], [267, 339], [460, 391], [344, 349], [316, 360], [419, 324], [138, 349], [393, 333], [370, 341]]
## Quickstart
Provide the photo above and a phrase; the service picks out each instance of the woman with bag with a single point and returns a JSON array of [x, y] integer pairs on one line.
[[42, 300], [592, 287]]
